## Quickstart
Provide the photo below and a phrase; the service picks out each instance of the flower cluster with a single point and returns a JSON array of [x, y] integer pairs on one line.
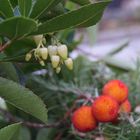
[[58, 54], [106, 108]]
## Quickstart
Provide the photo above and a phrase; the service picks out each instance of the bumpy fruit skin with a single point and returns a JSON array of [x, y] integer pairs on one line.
[[116, 89], [125, 107], [83, 119], [105, 108]]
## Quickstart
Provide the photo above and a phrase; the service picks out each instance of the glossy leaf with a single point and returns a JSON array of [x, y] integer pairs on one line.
[[23, 99], [17, 27], [10, 132], [42, 6], [25, 6], [8, 70], [93, 20], [81, 2], [74, 18], [6, 10]]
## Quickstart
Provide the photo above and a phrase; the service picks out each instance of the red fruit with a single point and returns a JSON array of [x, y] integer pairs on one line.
[[115, 121], [105, 109], [83, 119], [116, 89], [125, 107]]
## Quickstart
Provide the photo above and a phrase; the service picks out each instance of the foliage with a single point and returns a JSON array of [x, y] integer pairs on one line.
[[28, 88]]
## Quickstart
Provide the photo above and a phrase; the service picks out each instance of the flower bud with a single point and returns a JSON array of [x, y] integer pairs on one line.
[[55, 61], [52, 50], [42, 63], [69, 63], [38, 39], [63, 51], [43, 52], [58, 69], [28, 56]]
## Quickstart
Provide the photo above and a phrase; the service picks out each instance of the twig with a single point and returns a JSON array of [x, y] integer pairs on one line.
[[10, 118], [2, 48]]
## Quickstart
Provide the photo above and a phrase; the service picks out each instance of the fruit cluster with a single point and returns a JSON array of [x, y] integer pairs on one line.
[[105, 108], [57, 52]]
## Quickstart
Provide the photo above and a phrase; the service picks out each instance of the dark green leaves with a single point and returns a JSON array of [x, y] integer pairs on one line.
[[6, 9], [23, 99], [10, 132], [8, 70], [17, 27], [81, 2], [25, 7], [75, 18], [42, 6]]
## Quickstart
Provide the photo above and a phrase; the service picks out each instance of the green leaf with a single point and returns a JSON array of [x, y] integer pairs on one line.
[[8, 70], [42, 6], [17, 27], [25, 7], [93, 20], [81, 2], [20, 47], [10, 132], [14, 3], [46, 134], [6, 10], [73, 19], [23, 99], [24, 134]]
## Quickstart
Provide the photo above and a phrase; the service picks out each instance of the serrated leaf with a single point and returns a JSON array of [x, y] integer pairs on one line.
[[25, 7], [10, 132], [23, 99], [17, 27], [74, 18], [81, 2], [42, 6], [6, 9], [8, 70]]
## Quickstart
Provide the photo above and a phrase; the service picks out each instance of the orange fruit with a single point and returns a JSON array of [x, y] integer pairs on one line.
[[116, 89], [125, 107], [83, 119], [105, 109]]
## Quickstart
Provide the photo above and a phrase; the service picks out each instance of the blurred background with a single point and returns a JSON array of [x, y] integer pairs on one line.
[[119, 27]]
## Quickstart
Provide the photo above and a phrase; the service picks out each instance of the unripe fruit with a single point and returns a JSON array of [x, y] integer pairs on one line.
[[43, 52], [69, 63], [52, 50], [63, 51], [105, 108], [55, 59], [83, 119], [38, 39], [125, 107], [116, 89], [28, 56]]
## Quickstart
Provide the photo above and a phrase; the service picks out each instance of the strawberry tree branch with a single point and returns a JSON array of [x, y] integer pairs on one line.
[[3, 47]]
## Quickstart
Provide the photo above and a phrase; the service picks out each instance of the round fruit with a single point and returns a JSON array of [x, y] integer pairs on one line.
[[105, 108], [125, 107], [116, 89], [83, 119]]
